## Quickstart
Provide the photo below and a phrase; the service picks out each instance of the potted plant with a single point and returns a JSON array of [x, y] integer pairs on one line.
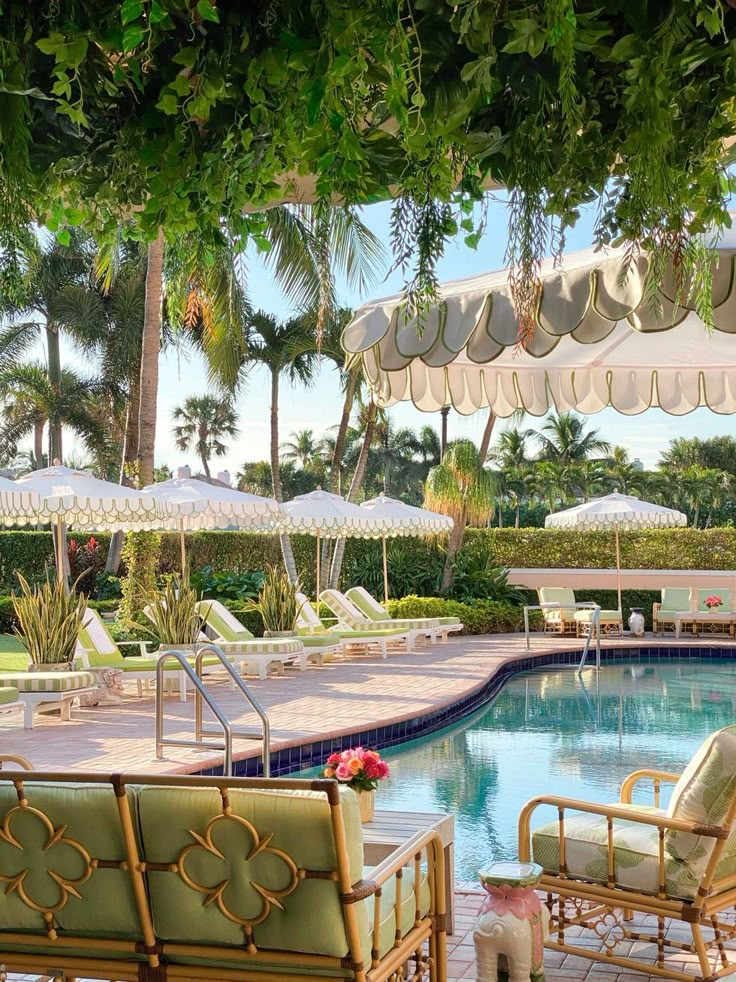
[[172, 613], [48, 624], [277, 604], [361, 770]]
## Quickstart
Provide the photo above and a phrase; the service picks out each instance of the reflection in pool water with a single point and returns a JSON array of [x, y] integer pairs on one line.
[[552, 732]]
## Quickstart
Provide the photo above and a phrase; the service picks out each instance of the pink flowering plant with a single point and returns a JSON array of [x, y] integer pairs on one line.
[[713, 602], [358, 768]]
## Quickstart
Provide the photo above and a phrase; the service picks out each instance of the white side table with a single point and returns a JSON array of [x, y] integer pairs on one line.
[[512, 924]]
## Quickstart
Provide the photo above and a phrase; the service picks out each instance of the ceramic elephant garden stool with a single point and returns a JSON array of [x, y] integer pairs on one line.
[[512, 925]]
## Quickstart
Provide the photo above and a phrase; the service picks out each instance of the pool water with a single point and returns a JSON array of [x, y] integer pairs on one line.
[[553, 732]]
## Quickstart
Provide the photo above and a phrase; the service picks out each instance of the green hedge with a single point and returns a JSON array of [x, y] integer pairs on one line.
[[479, 617]]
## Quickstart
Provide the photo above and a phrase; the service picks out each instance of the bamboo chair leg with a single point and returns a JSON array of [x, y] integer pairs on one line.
[[701, 950]]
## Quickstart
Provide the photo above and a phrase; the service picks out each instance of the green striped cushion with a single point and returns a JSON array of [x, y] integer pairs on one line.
[[319, 640], [307, 618], [222, 621], [136, 664], [100, 649], [389, 632], [344, 610], [47, 681], [366, 604], [8, 695], [267, 646], [413, 623]]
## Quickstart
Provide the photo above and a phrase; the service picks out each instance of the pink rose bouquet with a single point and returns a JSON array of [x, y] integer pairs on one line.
[[713, 602], [358, 768]]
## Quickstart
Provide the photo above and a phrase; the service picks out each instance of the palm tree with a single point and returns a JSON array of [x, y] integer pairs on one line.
[[564, 439], [512, 449], [459, 487], [203, 422], [301, 448], [588, 478], [626, 478], [32, 402]]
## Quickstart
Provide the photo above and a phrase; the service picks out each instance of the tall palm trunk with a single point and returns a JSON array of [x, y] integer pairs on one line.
[[355, 486], [518, 513], [203, 455], [38, 444], [127, 468], [286, 550], [54, 370], [150, 348], [485, 440], [351, 387], [453, 547]]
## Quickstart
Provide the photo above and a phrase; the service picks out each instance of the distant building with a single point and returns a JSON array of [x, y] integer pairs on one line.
[[637, 464]]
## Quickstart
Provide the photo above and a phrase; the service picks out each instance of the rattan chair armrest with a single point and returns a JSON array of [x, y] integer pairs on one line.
[[612, 812], [406, 853], [630, 782], [22, 762]]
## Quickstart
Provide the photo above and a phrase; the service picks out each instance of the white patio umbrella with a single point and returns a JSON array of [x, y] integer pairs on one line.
[[73, 497], [17, 507], [597, 343], [401, 519], [196, 504], [328, 516], [616, 512]]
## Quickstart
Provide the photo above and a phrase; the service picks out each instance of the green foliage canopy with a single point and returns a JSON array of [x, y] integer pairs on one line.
[[191, 115]]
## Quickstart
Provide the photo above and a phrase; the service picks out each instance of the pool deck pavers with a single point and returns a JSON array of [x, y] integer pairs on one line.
[[341, 698]]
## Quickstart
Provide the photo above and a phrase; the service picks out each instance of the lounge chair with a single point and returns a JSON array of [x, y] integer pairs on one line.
[[602, 862], [369, 606], [256, 655], [96, 648], [675, 599], [179, 878], [309, 625], [350, 617], [10, 701], [572, 620], [47, 690]]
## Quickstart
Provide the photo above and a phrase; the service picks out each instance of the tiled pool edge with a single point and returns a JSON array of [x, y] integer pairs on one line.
[[286, 760]]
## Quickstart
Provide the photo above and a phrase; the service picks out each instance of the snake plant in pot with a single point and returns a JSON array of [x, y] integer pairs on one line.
[[48, 624], [277, 604], [172, 614]]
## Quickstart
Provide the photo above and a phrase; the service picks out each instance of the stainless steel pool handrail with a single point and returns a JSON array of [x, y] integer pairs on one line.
[[594, 626], [202, 693]]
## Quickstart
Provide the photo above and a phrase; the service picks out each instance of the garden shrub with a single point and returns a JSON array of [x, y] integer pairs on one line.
[[478, 616]]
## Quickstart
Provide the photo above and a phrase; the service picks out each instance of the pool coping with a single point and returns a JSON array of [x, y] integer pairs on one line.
[[299, 754]]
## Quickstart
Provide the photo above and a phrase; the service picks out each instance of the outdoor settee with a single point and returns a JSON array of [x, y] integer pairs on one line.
[[149, 879], [567, 619], [603, 862], [677, 601]]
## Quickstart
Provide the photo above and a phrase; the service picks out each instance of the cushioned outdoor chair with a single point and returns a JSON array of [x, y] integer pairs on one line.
[[155, 879], [10, 702], [368, 605], [675, 599], [310, 627], [350, 617], [603, 862], [574, 620], [44, 691], [255, 655]]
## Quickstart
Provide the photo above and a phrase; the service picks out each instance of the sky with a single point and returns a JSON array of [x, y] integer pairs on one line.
[[318, 408]]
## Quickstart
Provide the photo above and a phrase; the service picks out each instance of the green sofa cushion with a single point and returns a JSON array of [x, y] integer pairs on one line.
[[291, 824], [8, 695], [319, 640], [47, 681], [87, 817], [676, 598], [725, 596]]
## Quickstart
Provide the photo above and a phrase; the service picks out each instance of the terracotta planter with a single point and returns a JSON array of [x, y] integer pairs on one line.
[[367, 805], [56, 666]]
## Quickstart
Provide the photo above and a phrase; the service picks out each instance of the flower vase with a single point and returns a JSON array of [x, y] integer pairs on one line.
[[367, 805]]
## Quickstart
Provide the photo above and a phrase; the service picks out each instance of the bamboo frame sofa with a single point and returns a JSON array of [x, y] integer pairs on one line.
[[571, 620], [139, 878], [603, 862]]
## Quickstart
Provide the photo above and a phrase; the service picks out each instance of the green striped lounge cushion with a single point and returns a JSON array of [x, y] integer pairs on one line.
[[367, 604], [8, 696], [224, 623], [99, 649], [307, 619], [343, 609], [47, 681]]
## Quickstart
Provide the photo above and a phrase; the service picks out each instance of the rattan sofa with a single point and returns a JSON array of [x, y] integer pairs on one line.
[[603, 862], [149, 879]]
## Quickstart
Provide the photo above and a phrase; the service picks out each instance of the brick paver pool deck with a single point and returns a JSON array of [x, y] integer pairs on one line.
[[341, 698]]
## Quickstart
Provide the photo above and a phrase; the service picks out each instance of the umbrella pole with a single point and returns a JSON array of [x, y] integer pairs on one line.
[[618, 575], [385, 573], [319, 574], [181, 546], [60, 571]]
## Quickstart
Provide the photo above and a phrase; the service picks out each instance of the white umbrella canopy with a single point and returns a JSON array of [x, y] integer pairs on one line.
[[196, 504], [17, 507], [401, 520], [328, 515], [616, 513], [597, 343]]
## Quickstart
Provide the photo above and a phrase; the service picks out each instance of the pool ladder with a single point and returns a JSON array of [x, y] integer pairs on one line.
[[595, 628], [202, 694]]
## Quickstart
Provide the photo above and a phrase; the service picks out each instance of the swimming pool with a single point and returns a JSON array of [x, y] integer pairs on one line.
[[550, 731]]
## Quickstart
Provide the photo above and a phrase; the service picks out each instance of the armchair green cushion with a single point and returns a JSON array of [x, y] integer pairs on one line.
[[557, 595], [674, 598]]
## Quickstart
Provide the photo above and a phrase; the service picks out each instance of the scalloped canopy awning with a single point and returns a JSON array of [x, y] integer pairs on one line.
[[598, 343]]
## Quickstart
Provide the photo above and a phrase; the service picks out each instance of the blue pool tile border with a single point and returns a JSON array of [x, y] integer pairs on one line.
[[286, 760]]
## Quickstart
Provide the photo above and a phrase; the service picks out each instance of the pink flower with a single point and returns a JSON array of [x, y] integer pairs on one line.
[[373, 769], [370, 755], [355, 765], [343, 772], [333, 760]]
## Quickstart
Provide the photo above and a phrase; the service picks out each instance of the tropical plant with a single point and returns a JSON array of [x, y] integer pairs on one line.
[[277, 602], [301, 449], [140, 556], [476, 577], [409, 571], [202, 423], [461, 488], [226, 584], [172, 616], [564, 439], [48, 620]]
